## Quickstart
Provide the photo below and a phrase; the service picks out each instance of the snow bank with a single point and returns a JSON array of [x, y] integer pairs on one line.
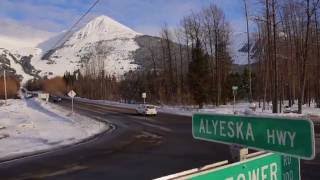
[[31, 125], [240, 108]]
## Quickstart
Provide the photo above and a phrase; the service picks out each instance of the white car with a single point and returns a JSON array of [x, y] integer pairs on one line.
[[287, 109], [146, 109]]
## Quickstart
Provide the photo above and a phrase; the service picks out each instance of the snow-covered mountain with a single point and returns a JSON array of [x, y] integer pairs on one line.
[[101, 42], [239, 48], [17, 48], [17, 65]]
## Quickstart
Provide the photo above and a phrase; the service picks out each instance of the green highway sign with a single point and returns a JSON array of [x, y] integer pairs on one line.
[[294, 137], [266, 167]]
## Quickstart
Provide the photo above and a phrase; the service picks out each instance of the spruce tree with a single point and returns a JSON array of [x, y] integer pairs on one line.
[[198, 75]]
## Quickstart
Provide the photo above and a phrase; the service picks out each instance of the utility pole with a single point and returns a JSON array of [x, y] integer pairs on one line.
[[5, 87], [249, 47]]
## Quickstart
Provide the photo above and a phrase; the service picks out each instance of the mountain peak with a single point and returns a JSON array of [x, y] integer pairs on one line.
[[104, 18], [101, 28], [104, 22]]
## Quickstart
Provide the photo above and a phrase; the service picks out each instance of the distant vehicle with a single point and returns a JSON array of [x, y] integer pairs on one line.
[[29, 95], [44, 96], [253, 106], [56, 99], [23, 90], [35, 94], [287, 109], [295, 111], [146, 109]]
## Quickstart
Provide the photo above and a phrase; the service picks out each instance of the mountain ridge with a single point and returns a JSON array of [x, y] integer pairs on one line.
[[100, 44]]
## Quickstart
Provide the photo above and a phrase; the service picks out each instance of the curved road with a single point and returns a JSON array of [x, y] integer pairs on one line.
[[139, 148]]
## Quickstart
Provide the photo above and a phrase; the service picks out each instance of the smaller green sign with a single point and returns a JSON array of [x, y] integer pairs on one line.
[[267, 167], [294, 137]]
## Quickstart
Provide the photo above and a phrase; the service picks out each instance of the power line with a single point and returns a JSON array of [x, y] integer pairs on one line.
[[75, 24]]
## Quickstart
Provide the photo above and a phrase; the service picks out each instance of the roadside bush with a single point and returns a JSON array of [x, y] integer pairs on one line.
[[13, 86]]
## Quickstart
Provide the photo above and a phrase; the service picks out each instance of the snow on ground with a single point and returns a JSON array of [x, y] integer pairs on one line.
[[32, 125], [240, 108]]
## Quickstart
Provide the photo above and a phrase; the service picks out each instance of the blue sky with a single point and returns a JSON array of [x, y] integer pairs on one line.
[[145, 16]]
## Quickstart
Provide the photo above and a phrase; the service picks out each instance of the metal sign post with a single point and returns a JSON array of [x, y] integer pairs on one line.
[[72, 94], [234, 91], [144, 96], [5, 87]]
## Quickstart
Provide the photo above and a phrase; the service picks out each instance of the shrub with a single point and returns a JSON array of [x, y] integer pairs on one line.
[[55, 86], [13, 86]]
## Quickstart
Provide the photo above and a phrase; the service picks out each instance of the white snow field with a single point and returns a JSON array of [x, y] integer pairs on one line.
[[28, 126], [240, 108]]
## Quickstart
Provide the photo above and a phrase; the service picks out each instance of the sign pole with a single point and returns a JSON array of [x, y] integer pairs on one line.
[[5, 87], [72, 94], [144, 96], [144, 103], [72, 105], [234, 91], [234, 103]]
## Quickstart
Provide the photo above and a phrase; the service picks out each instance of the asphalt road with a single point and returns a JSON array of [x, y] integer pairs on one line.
[[139, 148]]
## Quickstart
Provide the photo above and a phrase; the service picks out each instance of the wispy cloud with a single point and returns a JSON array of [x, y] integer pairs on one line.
[[42, 16], [13, 28]]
